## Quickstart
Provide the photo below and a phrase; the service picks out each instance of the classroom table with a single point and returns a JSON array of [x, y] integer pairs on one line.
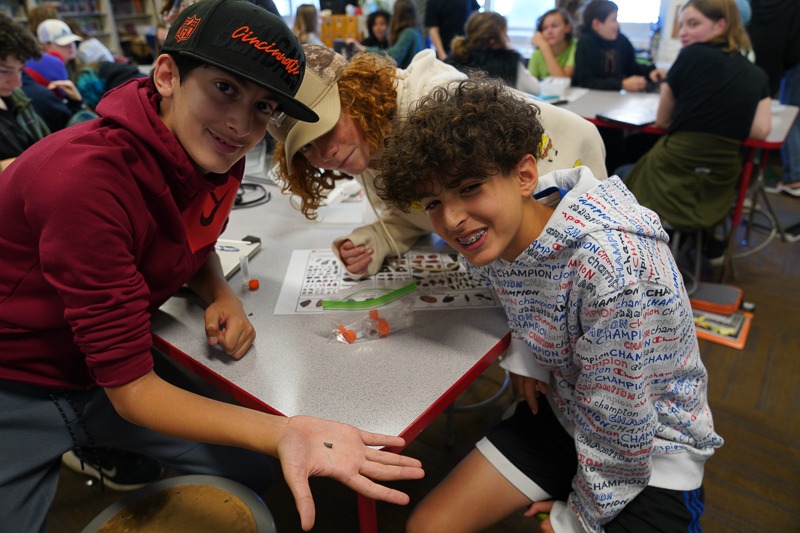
[[396, 385], [595, 102]]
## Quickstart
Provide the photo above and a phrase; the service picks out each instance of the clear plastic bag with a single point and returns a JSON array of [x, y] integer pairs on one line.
[[370, 310]]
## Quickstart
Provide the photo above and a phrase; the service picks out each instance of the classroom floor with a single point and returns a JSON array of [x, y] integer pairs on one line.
[[752, 483]]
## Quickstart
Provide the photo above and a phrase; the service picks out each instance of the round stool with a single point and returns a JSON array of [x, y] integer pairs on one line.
[[196, 503]]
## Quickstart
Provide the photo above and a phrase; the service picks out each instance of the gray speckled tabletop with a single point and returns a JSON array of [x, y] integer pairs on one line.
[[596, 101], [391, 385]]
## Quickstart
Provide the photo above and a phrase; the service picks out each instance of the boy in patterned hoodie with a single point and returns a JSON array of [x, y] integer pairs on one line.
[[616, 429]]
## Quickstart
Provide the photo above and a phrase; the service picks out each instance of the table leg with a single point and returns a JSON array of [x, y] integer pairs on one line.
[[760, 191], [744, 186], [367, 515]]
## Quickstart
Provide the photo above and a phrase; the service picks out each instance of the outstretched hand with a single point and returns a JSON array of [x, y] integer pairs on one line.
[[315, 447]]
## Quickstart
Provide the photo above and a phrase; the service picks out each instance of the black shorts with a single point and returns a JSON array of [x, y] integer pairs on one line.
[[540, 448]]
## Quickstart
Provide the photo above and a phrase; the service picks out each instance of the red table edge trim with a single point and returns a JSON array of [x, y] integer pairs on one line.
[[192, 365], [409, 434], [450, 395]]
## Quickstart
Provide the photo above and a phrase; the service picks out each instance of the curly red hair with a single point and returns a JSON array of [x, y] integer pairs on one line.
[[367, 92]]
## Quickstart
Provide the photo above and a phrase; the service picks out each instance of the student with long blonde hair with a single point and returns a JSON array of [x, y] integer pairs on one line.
[[306, 24], [713, 98]]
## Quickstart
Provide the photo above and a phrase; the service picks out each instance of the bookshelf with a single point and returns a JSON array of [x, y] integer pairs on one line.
[[121, 25], [341, 27], [134, 19], [16, 9], [94, 17]]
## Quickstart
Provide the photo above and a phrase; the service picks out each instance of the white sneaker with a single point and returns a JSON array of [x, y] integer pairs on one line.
[[781, 187]]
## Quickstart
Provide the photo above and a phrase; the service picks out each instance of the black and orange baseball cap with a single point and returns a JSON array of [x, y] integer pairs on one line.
[[246, 40]]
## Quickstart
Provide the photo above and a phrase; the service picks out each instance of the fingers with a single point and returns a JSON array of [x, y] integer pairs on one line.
[[634, 83], [370, 489], [355, 254], [392, 459], [543, 506], [235, 335], [212, 330], [356, 259], [531, 394], [360, 267], [68, 87], [386, 472], [529, 389], [303, 499], [358, 264], [378, 439]]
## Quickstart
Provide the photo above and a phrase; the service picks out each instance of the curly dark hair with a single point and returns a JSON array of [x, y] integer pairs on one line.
[[368, 93], [467, 130], [17, 40]]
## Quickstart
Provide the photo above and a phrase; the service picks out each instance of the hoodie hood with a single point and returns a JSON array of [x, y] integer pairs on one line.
[[133, 108], [599, 42], [587, 209]]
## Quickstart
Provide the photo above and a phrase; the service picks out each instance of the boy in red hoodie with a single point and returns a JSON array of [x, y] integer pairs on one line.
[[102, 223]]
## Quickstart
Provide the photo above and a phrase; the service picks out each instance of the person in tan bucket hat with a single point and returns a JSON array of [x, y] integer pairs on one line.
[[356, 102]]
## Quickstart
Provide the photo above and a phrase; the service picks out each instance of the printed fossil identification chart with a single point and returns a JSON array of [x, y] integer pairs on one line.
[[442, 281]]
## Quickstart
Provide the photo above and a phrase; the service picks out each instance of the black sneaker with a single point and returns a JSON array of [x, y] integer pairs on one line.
[[121, 470]]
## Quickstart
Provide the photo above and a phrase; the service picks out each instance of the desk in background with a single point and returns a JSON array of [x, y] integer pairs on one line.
[[595, 102], [396, 385]]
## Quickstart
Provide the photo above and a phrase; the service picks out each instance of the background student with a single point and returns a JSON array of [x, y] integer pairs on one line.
[[20, 125], [605, 58], [555, 46], [377, 30], [484, 46], [57, 38], [773, 31], [612, 438], [445, 20], [405, 37], [356, 102], [713, 99], [306, 24], [90, 254]]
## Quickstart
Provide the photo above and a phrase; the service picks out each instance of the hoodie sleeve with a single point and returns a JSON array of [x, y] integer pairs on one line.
[[519, 360], [615, 395], [392, 233], [630, 66]]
